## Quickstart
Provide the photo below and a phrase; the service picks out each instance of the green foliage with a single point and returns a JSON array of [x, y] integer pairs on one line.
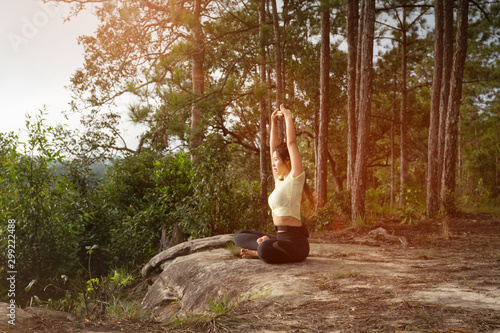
[[217, 195], [479, 183], [378, 200], [69, 224], [40, 202], [149, 192], [67, 303], [413, 207], [129, 215], [105, 297], [337, 207], [95, 298], [126, 309], [215, 319]]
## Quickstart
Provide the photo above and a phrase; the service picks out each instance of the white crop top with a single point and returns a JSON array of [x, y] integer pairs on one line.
[[287, 195]]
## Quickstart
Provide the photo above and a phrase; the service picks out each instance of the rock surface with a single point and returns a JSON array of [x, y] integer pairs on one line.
[[28, 319], [51, 315], [15, 319], [184, 249], [189, 283], [381, 233], [193, 281]]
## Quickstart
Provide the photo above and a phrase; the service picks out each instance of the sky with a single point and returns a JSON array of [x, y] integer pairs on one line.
[[39, 52]]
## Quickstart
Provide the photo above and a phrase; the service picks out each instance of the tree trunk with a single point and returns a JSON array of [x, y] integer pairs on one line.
[[365, 97], [352, 56], [403, 126], [197, 59], [432, 199], [263, 117], [393, 149], [336, 179], [455, 100], [446, 79], [322, 150], [278, 66]]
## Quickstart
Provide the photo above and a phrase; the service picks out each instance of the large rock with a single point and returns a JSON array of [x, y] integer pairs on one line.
[[184, 249], [51, 315], [334, 276], [382, 234], [190, 282], [28, 319], [15, 319]]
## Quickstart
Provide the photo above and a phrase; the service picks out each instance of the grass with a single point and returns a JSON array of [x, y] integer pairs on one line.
[[326, 282], [360, 221], [215, 319], [431, 318], [119, 309], [233, 249], [344, 275]]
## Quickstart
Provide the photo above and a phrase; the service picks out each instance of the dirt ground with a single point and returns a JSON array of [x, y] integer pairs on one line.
[[456, 288]]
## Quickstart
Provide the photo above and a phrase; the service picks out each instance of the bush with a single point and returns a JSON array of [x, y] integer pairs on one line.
[[220, 201], [337, 207], [42, 205], [413, 208], [61, 215]]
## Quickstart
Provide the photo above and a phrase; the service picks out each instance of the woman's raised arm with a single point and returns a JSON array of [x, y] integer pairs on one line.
[[274, 140], [291, 142]]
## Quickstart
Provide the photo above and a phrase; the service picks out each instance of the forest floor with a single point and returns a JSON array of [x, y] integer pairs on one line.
[[454, 286]]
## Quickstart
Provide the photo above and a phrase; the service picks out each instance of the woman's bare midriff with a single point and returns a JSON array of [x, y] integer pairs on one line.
[[286, 220]]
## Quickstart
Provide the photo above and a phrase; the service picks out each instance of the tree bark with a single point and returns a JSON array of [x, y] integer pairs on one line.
[[198, 82], [278, 66], [446, 79], [352, 57], [455, 100], [263, 117], [393, 149], [432, 198], [321, 152], [365, 97], [403, 126], [336, 179]]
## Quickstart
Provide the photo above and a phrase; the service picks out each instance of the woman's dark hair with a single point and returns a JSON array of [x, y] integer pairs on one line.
[[282, 151]]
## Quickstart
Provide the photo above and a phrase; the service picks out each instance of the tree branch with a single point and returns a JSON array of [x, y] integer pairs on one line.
[[381, 9], [151, 5], [481, 10]]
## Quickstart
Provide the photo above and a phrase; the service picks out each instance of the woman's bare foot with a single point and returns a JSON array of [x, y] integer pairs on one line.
[[249, 254]]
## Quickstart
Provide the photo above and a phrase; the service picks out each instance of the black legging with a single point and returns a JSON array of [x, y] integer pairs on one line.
[[284, 247]]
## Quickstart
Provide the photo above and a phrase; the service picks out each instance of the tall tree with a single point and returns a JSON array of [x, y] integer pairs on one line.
[[352, 48], [432, 199], [358, 190], [404, 26], [278, 64], [322, 148], [393, 150], [198, 76], [403, 159], [263, 114], [446, 80], [405, 33], [455, 100]]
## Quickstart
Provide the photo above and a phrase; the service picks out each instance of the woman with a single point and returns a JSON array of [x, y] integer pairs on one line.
[[290, 243]]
